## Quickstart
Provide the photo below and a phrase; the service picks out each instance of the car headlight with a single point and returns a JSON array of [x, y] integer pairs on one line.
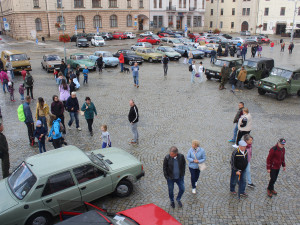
[[81, 65], [274, 86], [218, 73], [259, 83]]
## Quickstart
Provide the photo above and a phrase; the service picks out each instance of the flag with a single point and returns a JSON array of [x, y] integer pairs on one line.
[[37, 41]]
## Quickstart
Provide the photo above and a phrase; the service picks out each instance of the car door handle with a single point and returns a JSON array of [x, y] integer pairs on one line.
[[49, 200], [83, 188]]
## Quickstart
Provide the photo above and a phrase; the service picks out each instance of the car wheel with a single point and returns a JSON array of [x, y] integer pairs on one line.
[[281, 95], [42, 66], [208, 77], [47, 70], [41, 218], [124, 188], [298, 93], [130, 63], [150, 60], [251, 83], [261, 91]]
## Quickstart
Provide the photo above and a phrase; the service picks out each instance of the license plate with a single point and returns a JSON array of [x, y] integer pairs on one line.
[[211, 73], [266, 87]]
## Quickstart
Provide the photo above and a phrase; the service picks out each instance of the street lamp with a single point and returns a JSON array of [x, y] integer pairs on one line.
[[295, 11]]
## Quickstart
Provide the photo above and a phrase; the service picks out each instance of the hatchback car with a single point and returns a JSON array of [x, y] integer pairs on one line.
[[119, 36], [51, 62], [42, 184], [141, 45], [150, 40], [97, 41], [169, 52], [130, 35], [149, 54]]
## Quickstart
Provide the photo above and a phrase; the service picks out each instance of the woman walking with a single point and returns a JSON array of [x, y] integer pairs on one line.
[[42, 111], [232, 79], [89, 110], [244, 126], [195, 156], [28, 83], [64, 91]]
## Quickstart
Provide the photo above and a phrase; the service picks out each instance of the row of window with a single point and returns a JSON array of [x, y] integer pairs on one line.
[[80, 22], [221, 24], [95, 3], [245, 12], [222, 1], [158, 21]]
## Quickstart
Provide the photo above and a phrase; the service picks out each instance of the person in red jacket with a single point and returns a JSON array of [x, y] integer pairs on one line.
[[23, 73], [274, 161], [121, 58]]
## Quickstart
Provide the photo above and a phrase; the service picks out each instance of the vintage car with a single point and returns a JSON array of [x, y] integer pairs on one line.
[[18, 60], [82, 42], [149, 39], [214, 70], [97, 41], [281, 82], [149, 54], [81, 60], [106, 35], [169, 52], [141, 45], [196, 53], [173, 42], [147, 33], [257, 68], [130, 57], [212, 46], [252, 40], [204, 49], [265, 39], [51, 62], [162, 35], [130, 35], [236, 40], [42, 184], [245, 33], [119, 36], [108, 59], [186, 41], [193, 35]]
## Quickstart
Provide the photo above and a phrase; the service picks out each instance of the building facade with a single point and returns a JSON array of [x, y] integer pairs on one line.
[[40, 18], [232, 15], [175, 14]]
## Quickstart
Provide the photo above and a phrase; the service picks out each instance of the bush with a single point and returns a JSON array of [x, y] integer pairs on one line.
[[216, 31], [64, 38]]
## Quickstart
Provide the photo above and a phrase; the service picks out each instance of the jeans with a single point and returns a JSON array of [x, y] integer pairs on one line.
[[12, 96], [165, 69], [74, 115], [135, 132], [212, 59], [57, 143], [85, 79], [242, 182], [12, 74], [30, 89], [193, 76], [240, 135], [244, 56], [30, 129], [235, 131], [22, 97], [5, 84], [190, 61], [90, 124], [232, 87], [100, 68], [240, 84], [104, 145], [195, 173], [136, 80], [248, 173], [42, 146], [122, 67], [44, 121], [273, 176], [180, 183]]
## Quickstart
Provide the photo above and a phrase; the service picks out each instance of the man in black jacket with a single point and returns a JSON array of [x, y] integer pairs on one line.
[[239, 162], [236, 120], [100, 63], [57, 109], [165, 62], [133, 118], [174, 171], [4, 155], [73, 108]]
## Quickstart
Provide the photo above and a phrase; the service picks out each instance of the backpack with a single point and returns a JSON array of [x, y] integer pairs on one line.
[[191, 68], [21, 114], [29, 81]]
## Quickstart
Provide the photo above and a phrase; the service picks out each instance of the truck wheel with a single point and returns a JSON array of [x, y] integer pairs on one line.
[[208, 77], [281, 95], [124, 188], [41, 218], [261, 91], [251, 84], [150, 60]]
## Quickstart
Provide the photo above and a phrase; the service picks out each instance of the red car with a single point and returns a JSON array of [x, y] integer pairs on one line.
[[201, 39], [193, 35], [151, 40], [143, 215], [119, 36], [161, 35], [265, 39]]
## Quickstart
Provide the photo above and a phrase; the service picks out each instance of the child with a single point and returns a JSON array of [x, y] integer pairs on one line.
[[21, 91], [201, 70], [11, 91], [55, 74], [85, 75], [40, 133], [105, 137]]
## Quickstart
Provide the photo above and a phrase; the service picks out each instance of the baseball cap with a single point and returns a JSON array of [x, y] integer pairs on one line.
[[242, 143], [38, 122], [282, 141]]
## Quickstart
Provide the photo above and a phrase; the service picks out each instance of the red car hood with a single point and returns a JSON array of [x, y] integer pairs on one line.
[[150, 215]]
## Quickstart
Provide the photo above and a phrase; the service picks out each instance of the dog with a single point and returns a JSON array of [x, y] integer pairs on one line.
[[126, 70]]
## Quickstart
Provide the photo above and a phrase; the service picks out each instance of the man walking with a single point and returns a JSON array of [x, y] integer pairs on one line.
[[213, 54], [291, 47], [133, 118], [73, 108], [244, 52], [135, 73], [225, 71], [274, 161], [4, 155], [239, 162], [282, 45], [28, 119], [100, 63], [236, 120], [174, 171], [28, 83], [165, 62]]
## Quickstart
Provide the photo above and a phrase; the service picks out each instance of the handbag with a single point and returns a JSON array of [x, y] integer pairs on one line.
[[82, 112], [197, 75], [202, 166]]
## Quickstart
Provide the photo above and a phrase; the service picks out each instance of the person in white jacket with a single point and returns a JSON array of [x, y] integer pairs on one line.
[[193, 72], [244, 125], [200, 71]]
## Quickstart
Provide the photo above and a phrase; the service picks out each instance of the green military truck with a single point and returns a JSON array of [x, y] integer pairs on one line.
[[281, 82], [257, 68], [213, 71]]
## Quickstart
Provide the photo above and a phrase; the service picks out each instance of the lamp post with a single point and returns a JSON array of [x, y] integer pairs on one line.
[[63, 28], [217, 14], [295, 11]]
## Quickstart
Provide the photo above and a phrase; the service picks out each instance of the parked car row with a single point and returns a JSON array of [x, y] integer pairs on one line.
[[104, 35]]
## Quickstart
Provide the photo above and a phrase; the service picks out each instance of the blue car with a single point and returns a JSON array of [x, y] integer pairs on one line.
[[108, 59], [204, 49], [196, 53]]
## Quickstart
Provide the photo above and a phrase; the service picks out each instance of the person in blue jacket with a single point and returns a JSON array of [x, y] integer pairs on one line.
[[55, 134]]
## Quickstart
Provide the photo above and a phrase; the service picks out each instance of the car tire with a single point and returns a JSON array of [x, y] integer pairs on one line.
[[150, 60], [47, 70], [298, 93], [261, 91], [130, 63], [42, 66], [251, 83], [41, 218], [208, 77], [124, 188], [281, 95]]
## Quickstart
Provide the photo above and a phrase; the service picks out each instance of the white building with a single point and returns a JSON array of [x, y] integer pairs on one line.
[[175, 14]]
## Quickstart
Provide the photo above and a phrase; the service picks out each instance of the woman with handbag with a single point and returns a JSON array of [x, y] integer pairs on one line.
[[89, 110], [196, 157]]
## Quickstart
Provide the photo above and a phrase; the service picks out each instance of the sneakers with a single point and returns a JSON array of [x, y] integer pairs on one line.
[[179, 204], [69, 127], [244, 194], [173, 205], [269, 193], [235, 146], [251, 185], [231, 140], [79, 128], [233, 192], [274, 192], [196, 184], [194, 190], [137, 86]]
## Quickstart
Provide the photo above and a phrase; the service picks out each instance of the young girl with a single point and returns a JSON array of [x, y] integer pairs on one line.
[[85, 75], [21, 91], [201, 70], [105, 137], [11, 91], [55, 74]]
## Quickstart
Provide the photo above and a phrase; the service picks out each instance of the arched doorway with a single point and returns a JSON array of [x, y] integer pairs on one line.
[[142, 22], [245, 26]]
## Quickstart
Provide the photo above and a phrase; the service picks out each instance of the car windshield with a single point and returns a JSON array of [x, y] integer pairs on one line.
[[155, 36], [129, 52], [21, 181], [176, 41], [98, 38], [191, 48], [221, 63], [98, 159], [123, 220], [18, 57], [148, 45], [168, 49], [250, 64], [281, 72], [53, 58], [107, 54], [82, 40], [149, 51], [80, 57]]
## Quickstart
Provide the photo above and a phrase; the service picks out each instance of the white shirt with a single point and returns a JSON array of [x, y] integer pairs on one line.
[[201, 69]]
